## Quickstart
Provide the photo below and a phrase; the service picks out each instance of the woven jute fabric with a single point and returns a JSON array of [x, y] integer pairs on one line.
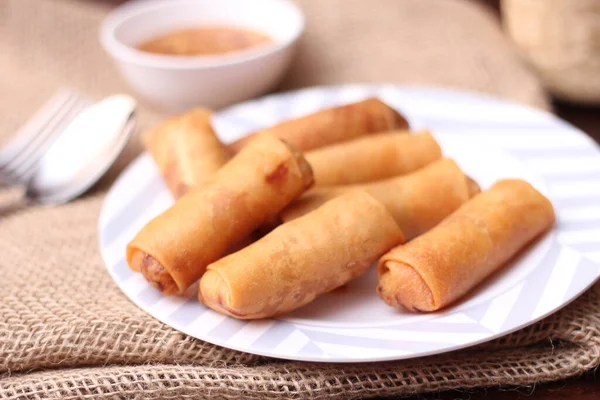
[[560, 39], [66, 330]]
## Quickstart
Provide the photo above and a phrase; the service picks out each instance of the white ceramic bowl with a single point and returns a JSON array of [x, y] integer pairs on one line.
[[177, 83]]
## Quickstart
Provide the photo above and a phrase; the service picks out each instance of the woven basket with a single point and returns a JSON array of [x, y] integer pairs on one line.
[[561, 40]]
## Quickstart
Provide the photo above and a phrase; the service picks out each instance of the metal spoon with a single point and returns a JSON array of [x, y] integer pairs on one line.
[[84, 152]]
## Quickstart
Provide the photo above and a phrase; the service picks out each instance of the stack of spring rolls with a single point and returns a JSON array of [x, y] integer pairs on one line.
[[272, 221]]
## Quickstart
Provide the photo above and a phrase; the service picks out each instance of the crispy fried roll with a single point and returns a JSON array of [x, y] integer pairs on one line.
[[373, 157], [417, 201], [173, 250], [186, 150], [334, 125], [442, 265], [301, 260]]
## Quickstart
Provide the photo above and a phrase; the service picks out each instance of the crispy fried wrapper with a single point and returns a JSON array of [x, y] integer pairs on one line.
[[173, 250], [334, 125], [373, 157], [417, 201], [186, 150], [301, 260], [439, 267]]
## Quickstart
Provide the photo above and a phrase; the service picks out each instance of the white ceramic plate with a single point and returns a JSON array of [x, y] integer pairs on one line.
[[490, 139]]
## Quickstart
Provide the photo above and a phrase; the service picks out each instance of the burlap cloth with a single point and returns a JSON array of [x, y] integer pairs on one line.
[[560, 40], [66, 331]]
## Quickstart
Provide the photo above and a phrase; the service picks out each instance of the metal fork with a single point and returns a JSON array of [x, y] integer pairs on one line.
[[19, 157]]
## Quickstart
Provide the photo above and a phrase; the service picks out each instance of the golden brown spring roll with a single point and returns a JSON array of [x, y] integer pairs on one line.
[[302, 259], [417, 201], [186, 150], [372, 157], [442, 265], [173, 250], [334, 125]]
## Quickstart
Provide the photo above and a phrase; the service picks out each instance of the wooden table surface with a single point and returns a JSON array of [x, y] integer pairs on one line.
[[586, 387]]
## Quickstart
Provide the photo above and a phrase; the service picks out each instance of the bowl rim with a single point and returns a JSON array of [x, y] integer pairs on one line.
[[125, 53]]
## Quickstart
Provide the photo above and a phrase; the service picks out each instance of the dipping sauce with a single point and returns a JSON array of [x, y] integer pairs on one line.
[[205, 41]]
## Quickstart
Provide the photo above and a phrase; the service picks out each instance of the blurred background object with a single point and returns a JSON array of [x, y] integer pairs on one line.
[[179, 82], [560, 40]]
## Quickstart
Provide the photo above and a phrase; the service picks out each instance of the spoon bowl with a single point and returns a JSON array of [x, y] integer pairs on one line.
[[83, 153]]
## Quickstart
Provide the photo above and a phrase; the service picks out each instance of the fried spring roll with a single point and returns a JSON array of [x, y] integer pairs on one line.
[[173, 250], [373, 157], [437, 268], [334, 125], [417, 201], [301, 260], [186, 150]]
